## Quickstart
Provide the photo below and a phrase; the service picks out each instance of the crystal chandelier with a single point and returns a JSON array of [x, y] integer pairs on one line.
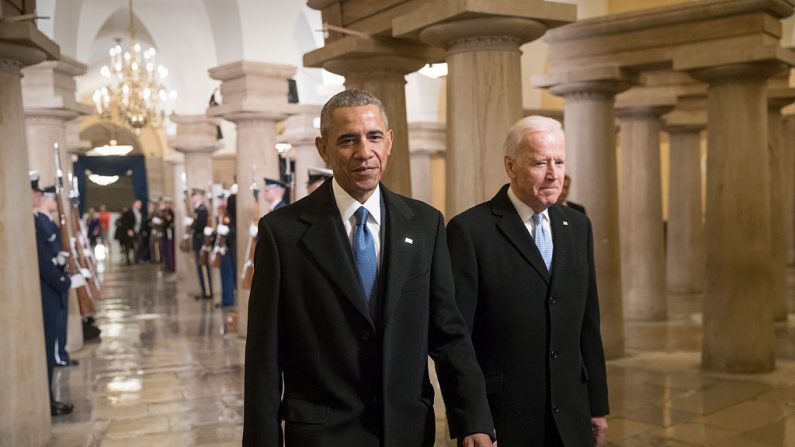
[[135, 96]]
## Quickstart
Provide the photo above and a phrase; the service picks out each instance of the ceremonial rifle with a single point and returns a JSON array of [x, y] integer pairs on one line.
[[82, 247], [248, 265], [83, 293]]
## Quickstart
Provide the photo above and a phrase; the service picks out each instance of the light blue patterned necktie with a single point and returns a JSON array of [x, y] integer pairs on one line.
[[364, 253], [542, 239]]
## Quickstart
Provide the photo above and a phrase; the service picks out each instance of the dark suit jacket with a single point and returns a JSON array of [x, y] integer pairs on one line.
[[199, 222], [575, 206], [349, 381], [536, 335]]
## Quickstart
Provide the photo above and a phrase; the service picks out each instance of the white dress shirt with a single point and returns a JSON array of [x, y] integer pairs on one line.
[[348, 206], [526, 214]]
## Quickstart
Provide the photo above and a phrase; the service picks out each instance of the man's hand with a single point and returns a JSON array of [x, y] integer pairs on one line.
[[130, 233], [599, 430], [475, 440]]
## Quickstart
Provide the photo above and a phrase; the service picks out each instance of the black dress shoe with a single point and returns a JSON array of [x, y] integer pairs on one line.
[[61, 409], [67, 363]]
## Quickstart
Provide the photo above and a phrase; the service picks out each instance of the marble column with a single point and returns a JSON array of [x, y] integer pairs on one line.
[[48, 94], [484, 76], [425, 141], [788, 144], [184, 261], [24, 374], [255, 99], [640, 209], [195, 139], [300, 131], [590, 135], [385, 77], [738, 297], [685, 248], [779, 177]]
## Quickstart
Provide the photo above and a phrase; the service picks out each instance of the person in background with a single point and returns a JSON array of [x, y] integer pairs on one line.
[[167, 239], [198, 224], [131, 221], [275, 193], [104, 224], [94, 227], [564, 196], [315, 177], [54, 280]]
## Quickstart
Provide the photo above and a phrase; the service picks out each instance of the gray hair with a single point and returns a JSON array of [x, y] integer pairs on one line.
[[527, 125], [348, 98]]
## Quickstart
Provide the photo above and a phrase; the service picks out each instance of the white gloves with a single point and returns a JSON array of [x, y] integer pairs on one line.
[[222, 229], [187, 221], [253, 230], [77, 281], [208, 231], [61, 258], [157, 220], [86, 273]]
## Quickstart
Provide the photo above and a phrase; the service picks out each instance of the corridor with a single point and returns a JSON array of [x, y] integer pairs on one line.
[[169, 372]]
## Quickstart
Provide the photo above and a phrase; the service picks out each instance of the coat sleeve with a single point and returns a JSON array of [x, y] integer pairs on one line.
[[263, 367], [49, 272], [200, 222], [465, 270], [451, 348], [591, 342]]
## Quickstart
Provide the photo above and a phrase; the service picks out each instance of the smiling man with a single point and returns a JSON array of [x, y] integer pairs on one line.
[[525, 283], [352, 291]]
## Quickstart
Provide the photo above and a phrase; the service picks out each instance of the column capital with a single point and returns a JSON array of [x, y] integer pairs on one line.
[[248, 86], [23, 42], [642, 111], [749, 71], [302, 128], [58, 116], [685, 121], [359, 54], [51, 85], [247, 119], [195, 133], [586, 90], [428, 138], [486, 33], [777, 98]]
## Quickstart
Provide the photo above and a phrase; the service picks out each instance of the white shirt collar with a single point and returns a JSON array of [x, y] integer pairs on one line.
[[348, 205], [525, 212]]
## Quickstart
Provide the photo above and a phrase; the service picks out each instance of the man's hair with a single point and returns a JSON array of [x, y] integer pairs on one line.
[[348, 98], [525, 126]]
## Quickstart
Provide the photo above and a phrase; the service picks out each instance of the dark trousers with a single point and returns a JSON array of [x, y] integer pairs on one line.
[[167, 255], [205, 275], [50, 329], [228, 278], [60, 334]]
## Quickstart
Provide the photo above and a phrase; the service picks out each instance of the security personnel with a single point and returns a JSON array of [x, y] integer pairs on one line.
[[53, 278], [275, 193]]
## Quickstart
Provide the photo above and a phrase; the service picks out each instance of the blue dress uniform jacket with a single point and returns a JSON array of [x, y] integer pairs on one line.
[[54, 283]]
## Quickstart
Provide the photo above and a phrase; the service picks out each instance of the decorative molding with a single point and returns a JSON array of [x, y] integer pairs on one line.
[[11, 66], [484, 43]]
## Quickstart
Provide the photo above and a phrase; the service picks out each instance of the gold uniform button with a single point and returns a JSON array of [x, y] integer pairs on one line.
[[62, 279]]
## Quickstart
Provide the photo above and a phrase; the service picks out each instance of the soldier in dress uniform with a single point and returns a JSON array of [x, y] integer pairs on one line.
[[53, 278], [316, 177], [198, 225], [275, 194]]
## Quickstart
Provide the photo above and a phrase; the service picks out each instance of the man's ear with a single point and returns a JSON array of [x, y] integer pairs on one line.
[[320, 144], [509, 165], [390, 136]]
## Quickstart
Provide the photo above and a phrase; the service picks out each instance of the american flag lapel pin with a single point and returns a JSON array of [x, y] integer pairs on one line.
[[565, 223], [409, 240]]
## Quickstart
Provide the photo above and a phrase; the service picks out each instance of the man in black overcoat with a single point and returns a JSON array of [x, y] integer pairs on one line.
[[525, 283]]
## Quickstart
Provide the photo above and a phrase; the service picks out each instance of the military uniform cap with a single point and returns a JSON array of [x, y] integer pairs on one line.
[[34, 180], [48, 191], [315, 174], [273, 183]]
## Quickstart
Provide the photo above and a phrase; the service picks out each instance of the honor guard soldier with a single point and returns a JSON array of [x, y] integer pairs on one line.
[[316, 177], [53, 278], [275, 193]]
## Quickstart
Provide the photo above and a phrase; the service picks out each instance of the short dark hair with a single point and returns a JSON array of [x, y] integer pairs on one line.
[[348, 98]]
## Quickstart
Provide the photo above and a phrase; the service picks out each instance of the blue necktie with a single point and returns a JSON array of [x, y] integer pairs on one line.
[[542, 239], [364, 253]]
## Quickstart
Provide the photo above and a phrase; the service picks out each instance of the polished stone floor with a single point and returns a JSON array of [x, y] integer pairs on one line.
[[168, 372]]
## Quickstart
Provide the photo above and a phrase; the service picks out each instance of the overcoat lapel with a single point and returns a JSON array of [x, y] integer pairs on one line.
[[399, 251], [325, 241], [561, 239], [511, 226]]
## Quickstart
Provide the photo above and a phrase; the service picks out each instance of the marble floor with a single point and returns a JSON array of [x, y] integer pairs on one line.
[[169, 372]]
